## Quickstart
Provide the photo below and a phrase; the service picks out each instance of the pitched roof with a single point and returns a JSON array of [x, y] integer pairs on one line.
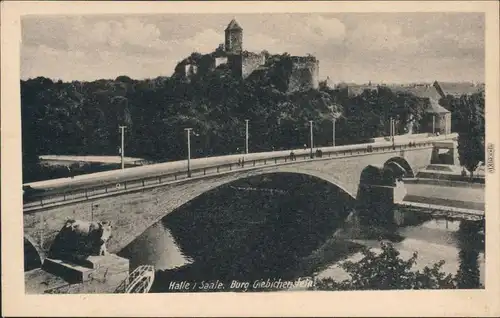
[[430, 92], [233, 25], [435, 108]]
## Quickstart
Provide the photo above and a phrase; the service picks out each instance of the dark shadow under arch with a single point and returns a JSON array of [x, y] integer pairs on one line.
[[320, 177], [33, 255], [231, 236], [403, 163], [375, 175]]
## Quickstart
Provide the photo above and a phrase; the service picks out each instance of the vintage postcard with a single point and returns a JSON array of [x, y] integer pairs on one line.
[[253, 158]]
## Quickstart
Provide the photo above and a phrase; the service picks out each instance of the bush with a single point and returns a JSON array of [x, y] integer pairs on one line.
[[387, 270]]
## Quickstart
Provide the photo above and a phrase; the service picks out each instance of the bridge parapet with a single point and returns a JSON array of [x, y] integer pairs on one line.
[[98, 185]]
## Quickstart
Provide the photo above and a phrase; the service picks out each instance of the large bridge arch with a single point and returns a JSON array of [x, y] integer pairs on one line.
[[164, 207]]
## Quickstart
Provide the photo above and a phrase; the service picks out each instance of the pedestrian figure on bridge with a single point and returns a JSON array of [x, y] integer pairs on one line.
[[319, 153], [70, 173], [292, 156], [305, 147]]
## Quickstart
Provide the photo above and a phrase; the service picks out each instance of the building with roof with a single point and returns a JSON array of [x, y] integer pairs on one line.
[[234, 38], [437, 119]]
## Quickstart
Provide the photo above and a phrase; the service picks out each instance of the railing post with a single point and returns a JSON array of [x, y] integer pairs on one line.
[[265, 161], [254, 163], [230, 167], [125, 184], [217, 169], [204, 171], [86, 195], [275, 160], [175, 176]]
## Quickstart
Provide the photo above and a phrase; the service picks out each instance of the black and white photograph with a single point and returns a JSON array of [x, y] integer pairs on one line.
[[271, 152]]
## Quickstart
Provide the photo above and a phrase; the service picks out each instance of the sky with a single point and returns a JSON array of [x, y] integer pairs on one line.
[[351, 47]]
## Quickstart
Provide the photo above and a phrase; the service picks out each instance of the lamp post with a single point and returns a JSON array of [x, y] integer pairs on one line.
[[188, 132], [311, 133], [246, 136], [390, 127], [393, 130], [333, 131], [122, 149]]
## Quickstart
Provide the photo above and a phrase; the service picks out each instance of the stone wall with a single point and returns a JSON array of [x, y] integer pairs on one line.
[[251, 61], [220, 60]]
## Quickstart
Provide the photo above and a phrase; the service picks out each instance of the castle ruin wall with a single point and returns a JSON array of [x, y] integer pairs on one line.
[[250, 63], [305, 74]]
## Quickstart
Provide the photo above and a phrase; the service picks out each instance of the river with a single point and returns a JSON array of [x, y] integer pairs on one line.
[[277, 227]]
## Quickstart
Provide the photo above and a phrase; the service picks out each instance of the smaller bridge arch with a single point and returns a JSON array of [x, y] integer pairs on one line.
[[401, 162]]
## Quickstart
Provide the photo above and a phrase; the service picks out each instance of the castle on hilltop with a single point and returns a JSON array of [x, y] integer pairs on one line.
[[304, 73]]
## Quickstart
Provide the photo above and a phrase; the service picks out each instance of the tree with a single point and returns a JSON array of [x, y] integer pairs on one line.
[[387, 270], [470, 242], [470, 150], [468, 121]]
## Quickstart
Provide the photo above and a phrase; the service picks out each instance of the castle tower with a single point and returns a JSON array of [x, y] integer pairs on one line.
[[234, 37]]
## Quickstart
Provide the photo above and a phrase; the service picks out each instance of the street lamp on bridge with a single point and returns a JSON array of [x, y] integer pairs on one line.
[[392, 130], [122, 149], [311, 133], [246, 136], [188, 132], [334, 120]]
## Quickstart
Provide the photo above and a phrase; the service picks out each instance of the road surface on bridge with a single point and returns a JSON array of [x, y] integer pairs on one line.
[[200, 163], [88, 159]]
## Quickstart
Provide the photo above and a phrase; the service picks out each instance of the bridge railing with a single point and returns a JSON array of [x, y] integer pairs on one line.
[[34, 201]]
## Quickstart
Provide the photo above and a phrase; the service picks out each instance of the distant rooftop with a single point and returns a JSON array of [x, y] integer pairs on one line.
[[435, 108], [233, 25]]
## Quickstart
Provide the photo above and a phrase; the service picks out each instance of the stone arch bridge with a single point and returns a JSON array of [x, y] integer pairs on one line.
[[136, 198]]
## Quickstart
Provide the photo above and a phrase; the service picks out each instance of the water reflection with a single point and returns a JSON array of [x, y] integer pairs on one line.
[[157, 247]]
